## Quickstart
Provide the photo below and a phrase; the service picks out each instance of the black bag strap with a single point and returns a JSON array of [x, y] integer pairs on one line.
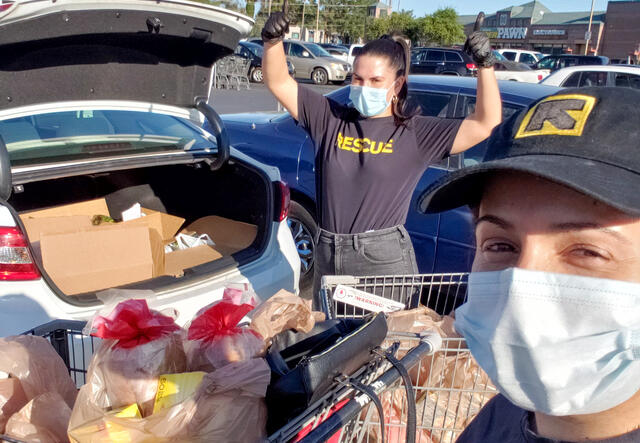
[[369, 392], [412, 421]]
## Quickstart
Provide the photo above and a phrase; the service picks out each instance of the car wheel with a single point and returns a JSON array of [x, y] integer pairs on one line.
[[337, 82], [320, 76], [256, 75], [303, 228]]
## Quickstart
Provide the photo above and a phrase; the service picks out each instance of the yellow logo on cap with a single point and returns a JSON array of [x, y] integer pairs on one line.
[[557, 115]]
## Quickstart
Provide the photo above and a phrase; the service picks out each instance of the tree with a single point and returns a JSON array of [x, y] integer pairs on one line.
[[441, 27], [250, 9]]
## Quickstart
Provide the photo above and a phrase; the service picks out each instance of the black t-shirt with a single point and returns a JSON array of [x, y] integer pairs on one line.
[[502, 421], [368, 168]]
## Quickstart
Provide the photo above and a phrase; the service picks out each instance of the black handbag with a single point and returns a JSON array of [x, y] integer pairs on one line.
[[304, 367]]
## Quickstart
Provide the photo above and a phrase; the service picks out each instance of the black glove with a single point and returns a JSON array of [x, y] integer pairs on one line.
[[478, 46], [277, 25]]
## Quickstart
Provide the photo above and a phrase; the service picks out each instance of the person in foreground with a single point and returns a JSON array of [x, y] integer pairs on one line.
[[370, 157], [553, 310]]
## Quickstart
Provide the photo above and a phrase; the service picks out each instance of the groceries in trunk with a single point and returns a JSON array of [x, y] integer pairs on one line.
[[85, 248]]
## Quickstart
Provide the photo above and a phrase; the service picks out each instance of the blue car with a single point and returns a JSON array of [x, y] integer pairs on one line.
[[443, 242]]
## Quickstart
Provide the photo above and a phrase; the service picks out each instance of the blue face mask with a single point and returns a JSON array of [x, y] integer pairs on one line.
[[554, 343], [369, 101]]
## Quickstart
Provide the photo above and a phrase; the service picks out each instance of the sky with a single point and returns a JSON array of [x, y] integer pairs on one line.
[[463, 7]]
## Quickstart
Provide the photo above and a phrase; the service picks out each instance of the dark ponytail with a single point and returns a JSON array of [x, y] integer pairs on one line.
[[395, 47]]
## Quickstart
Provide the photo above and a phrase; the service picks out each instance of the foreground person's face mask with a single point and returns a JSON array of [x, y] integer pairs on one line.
[[369, 101], [554, 343]]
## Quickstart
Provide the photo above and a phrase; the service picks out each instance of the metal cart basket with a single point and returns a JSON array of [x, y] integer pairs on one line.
[[449, 387]]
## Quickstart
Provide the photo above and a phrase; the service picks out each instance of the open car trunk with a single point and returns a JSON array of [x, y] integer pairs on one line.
[[232, 205]]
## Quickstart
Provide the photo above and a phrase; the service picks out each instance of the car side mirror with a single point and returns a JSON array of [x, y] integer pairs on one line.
[[306, 54]]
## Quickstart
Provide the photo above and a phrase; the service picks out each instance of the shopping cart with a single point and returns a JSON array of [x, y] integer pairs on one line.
[[449, 388]]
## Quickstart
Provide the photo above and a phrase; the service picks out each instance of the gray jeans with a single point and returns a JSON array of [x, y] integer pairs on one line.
[[382, 252]]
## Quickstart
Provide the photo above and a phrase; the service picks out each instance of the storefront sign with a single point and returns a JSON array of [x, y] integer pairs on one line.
[[512, 33], [549, 32]]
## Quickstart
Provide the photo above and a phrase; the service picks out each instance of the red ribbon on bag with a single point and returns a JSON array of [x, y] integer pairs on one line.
[[219, 320], [132, 323]]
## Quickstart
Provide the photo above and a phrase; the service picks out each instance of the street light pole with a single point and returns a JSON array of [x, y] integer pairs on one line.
[[304, 3], [269, 13], [586, 46], [317, 34]]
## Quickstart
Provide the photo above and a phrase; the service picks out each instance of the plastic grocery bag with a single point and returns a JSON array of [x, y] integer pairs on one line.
[[227, 406], [43, 420], [214, 338], [138, 345], [282, 312], [12, 398], [33, 361], [240, 294], [451, 387]]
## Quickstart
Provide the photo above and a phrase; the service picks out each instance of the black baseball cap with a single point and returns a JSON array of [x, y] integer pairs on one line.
[[587, 139]]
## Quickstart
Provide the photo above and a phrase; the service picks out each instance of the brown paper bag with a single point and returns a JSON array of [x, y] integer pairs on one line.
[[12, 399]]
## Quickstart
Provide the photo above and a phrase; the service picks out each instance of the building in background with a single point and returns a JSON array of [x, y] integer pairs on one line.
[[306, 34], [379, 9], [622, 31], [535, 27]]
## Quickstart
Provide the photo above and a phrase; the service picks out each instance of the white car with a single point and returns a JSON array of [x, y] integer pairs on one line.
[[521, 55], [103, 101], [354, 50], [595, 75], [514, 71]]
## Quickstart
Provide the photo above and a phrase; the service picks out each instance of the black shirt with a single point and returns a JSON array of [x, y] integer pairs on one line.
[[368, 168], [502, 421]]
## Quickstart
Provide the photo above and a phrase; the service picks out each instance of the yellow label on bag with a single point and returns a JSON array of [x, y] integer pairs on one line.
[[104, 430], [175, 388]]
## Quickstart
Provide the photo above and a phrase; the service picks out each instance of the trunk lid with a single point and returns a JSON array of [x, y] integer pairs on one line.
[[143, 50]]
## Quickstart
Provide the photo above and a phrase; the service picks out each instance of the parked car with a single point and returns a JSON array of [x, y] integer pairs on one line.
[[552, 63], [627, 76], [342, 54], [254, 52], [334, 46], [354, 50], [521, 56], [311, 61], [87, 123], [514, 71], [443, 242], [441, 61]]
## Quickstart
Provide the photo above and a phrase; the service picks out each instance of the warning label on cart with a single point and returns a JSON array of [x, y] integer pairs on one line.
[[365, 300]]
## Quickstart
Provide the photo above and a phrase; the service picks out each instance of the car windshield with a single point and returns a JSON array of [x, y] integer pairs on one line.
[[317, 50], [546, 63], [90, 133], [255, 49], [499, 56]]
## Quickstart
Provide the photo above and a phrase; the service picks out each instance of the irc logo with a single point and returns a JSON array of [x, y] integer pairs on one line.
[[557, 115]]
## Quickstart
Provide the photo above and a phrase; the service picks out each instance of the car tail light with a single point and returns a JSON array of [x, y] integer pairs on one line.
[[15, 260], [283, 199], [540, 76], [471, 66], [5, 4]]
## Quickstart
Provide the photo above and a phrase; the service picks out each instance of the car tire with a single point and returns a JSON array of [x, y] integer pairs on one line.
[[319, 76], [256, 75], [304, 229]]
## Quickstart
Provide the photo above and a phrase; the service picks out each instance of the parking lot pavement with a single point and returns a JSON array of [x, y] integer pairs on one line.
[[256, 99]]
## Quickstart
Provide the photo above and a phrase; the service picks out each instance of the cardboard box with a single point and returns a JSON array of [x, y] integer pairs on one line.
[[102, 257], [53, 225], [166, 225], [177, 261], [230, 236], [88, 208]]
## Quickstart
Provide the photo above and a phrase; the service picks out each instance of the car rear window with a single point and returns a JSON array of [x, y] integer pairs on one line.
[[81, 134], [452, 57], [435, 56], [573, 81], [593, 78], [527, 58], [509, 55]]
